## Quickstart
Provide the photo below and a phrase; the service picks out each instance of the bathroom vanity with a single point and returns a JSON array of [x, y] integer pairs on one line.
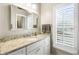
[[34, 45]]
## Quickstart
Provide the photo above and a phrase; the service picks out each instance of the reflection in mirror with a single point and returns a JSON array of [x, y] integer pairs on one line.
[[35, 25], [20, 19], [35, 21]]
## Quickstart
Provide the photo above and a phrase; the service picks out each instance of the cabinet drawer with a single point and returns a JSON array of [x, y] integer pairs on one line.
[[47, 51], [18, 52], [32, 47], [47, 40], [35, 51]]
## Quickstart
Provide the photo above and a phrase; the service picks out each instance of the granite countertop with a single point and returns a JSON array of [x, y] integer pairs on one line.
[[10, 45]]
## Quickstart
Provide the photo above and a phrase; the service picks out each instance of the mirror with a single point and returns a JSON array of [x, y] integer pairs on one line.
[[18, 18], [20, 21], [35, 21]]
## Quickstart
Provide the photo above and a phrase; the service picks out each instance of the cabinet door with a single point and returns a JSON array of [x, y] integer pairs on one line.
[[47, 45], [36, 51], [40, 48], [36, 48], [19, 52], [32, 47]]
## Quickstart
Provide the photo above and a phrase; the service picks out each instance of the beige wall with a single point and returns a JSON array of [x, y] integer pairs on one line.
[[46, 13], [4, 18]]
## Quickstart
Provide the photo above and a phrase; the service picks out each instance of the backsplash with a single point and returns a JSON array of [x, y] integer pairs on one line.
[[16, 34]]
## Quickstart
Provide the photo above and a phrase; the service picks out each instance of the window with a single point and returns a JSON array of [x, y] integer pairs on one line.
[[65, 27]]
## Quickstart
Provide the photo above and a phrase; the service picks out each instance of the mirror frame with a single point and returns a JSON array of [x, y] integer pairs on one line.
[[16, 19]]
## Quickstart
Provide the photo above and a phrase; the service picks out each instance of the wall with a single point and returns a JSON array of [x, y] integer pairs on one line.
[[4, 18], [46, 13]]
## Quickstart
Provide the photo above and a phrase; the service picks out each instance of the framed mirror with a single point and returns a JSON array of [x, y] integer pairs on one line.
[[20, 21], [35, 21]]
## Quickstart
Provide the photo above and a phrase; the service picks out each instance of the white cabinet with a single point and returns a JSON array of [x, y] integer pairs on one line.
[[21, 51], [32, 47], [35, 49], [40, 48], [47, 45]]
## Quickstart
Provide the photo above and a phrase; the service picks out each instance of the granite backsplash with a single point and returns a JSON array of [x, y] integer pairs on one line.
[[15, 34]]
